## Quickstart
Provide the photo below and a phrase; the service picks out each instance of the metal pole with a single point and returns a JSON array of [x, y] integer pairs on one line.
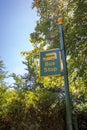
[[66, 85], [75, 124]]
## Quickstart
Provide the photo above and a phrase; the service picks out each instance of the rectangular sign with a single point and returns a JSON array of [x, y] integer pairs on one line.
[[50, 62]]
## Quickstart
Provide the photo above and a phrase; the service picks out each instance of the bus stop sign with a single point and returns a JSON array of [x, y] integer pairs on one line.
[[50, 62]]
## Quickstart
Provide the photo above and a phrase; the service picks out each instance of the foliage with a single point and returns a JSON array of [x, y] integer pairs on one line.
[[27, 81], [42, 109], [32, 110], [74, 14], [2, 71], [37, 103]]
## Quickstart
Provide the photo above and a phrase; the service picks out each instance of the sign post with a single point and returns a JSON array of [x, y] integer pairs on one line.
[[50, 62], [66, 85]]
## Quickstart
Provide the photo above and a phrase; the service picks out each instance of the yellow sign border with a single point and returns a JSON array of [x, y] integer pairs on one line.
[[61, 66]]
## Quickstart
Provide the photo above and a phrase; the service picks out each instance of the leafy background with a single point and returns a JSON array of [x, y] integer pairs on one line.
[[36, 103]]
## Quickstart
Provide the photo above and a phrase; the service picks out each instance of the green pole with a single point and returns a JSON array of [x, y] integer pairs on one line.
[[66, 85], [75, 124]]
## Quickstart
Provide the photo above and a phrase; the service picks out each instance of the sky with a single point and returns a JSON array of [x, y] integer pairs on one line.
[[17, 21]]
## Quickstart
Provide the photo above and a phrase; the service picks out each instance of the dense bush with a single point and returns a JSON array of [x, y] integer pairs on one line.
[[38, 110]]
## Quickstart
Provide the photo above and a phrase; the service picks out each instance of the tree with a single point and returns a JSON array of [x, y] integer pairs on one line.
[[3, 90], [46, 35], [2, 71], [27, 81], [44, 108]]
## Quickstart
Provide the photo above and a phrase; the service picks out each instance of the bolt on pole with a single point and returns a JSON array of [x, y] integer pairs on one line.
[[66, 85]]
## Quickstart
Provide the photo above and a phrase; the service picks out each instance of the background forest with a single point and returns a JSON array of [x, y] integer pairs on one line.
[[37, 103]]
